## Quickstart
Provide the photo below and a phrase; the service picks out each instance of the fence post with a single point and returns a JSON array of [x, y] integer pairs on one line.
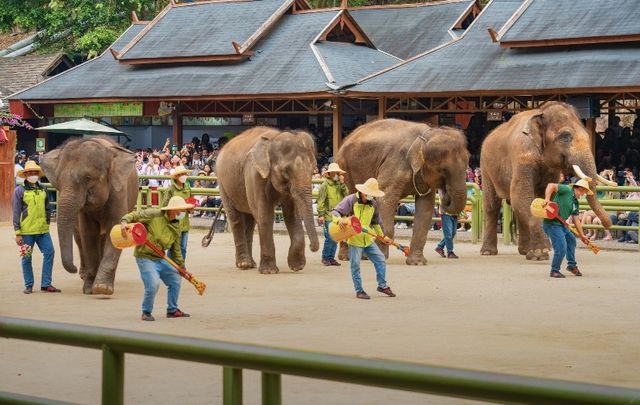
[[475, 220], [112, 377], [232, 386], [139, 200], [271, 389], [507, 238]]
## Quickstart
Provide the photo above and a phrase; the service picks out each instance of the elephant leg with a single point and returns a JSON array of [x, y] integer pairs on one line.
[[267, 246], [89, 248], [295, 259], [421, 225], [523, 234], [237, 222], [388, 209], [104, 281], [522, 195], [343, 252], [249, 228], [492, 204]]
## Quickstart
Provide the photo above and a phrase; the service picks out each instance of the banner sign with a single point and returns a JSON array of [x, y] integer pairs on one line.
[[39, 144], [77, 110]]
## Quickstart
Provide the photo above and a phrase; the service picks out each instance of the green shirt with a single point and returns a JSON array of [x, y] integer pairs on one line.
[[184, 192], [567, 203], [330, 194], [161, 232]]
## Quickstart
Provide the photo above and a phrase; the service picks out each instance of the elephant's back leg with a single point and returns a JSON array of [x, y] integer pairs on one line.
[[492, 204]]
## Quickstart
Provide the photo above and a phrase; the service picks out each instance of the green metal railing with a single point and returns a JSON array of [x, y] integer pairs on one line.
[[273, 363]]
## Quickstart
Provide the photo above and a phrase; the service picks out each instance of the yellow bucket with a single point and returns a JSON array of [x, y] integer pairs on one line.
[[338, 235], [136, 235], [537, 209]]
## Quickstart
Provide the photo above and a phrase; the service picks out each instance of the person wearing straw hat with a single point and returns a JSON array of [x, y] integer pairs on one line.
[[31, 216], [562, 239], [364, 206], [331, 192], [179, 187], [163, 230]]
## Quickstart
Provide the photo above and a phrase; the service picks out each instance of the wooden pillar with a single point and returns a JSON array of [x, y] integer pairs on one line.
[[177, 125], [591, 128], [337, 125], [7, 178], [382, 107]]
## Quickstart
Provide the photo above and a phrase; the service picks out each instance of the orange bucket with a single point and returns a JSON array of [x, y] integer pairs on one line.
[[338, 235], [136, 235]]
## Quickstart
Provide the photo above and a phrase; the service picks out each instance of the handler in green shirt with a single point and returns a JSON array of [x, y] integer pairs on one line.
[[163, 230], [332, 191], [179, 187], [562, 239]]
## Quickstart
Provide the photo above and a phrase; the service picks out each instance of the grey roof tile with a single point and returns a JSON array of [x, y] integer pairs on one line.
[[20, 72]]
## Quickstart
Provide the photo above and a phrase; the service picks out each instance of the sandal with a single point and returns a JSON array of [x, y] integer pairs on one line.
[[50, 289]]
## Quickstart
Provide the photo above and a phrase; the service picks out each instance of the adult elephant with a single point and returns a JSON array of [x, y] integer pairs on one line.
[[257, 170], [97, 184], [520, 157], [408, 158]]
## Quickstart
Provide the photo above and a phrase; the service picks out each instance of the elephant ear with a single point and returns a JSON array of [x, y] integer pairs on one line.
[[533, 127], [49, 165], [122, 164], [415, 154], [259, 155]]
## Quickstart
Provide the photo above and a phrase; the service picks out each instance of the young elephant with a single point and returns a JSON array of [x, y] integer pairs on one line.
[[520, 157], [257, 170], [97, 184], [408, 158]]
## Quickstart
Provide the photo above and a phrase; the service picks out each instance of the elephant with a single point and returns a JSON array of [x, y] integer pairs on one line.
[[408, 158], [97, 184], [517, 161], [257, 170]]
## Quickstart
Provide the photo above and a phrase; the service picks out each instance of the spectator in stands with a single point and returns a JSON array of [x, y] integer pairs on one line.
[[629, 218], [19, 165], [405, 210]]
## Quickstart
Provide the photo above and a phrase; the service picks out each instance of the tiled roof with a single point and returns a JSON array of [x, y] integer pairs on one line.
[[476, 64], [21, 72], [408, 30]]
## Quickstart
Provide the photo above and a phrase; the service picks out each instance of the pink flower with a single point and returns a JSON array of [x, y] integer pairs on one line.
[[25, 250]]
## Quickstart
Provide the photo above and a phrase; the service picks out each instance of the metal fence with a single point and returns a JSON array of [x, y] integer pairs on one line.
[[274, 362]]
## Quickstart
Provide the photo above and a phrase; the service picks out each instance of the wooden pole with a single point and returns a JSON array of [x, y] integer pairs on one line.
[[591, 128], [382, 108], [7, 178], [177, 125], [337, 125]]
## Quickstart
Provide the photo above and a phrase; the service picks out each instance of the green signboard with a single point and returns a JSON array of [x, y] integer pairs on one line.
[[74, 110], [39, 144]]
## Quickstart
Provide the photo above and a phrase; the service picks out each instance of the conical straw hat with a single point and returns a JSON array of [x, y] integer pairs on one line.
[[177, 203], [30, 166], [370, 187]]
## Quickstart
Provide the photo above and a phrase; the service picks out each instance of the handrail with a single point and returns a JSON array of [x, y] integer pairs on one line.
[[273, 362]]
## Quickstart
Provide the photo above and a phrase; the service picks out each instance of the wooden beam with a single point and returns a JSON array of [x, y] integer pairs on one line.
[[7, 175], [382, 107], [134, 17], [591, 129], [177, 125], [232, 57], [337, 124], [571, 41]]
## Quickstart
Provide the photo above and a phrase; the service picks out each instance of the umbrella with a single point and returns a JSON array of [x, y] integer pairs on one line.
[[81, 126]]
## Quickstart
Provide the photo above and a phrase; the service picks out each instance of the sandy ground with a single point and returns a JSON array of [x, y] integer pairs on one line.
[[500, 314]]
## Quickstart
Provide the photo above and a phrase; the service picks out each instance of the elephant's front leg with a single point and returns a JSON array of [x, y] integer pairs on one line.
[[522, 194], [264, 219], [88, 236], [421, 225], [492, 203], [296, 258], [388, 209], [104, 281]]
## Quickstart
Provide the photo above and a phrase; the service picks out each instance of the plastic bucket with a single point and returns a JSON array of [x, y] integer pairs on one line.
[[537, 210], [338, 235], [136, 235]]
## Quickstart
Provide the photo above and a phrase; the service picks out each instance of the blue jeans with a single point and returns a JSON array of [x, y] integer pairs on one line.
[[329, 248], [564, 244], [151, 272], [45, 245], [377, 258], [183, 246], [449, 229]]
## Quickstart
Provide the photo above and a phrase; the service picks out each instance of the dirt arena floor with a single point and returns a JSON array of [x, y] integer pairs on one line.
[[501, 314]]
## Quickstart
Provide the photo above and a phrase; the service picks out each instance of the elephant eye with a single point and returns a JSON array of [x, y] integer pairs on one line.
[[565, 137]]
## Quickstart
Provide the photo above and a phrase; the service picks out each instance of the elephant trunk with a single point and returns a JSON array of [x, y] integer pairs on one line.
[[587, 168], [68, 208], [304, 211], [455, 197]]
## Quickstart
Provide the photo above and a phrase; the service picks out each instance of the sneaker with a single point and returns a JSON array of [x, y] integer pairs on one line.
[[51, 289], [147, 317], [386, 290], [440, 251], [362, 295], [556, 274], [28, 290], [574, 270], [334, 262], [452, 255], [177, 314], [326, 262]]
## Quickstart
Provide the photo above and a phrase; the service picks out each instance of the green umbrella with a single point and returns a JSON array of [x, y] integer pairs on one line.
[[81, 126]]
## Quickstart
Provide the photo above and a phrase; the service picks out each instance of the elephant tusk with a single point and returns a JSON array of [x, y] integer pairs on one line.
[[605, 181], [581, 174]]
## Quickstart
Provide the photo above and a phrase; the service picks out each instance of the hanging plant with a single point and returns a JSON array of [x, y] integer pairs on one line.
[[13, 120]]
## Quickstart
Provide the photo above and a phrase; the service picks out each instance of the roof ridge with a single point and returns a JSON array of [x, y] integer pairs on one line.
[[411, 5]]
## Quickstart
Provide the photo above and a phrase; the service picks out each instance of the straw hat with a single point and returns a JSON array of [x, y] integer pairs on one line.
[[30, 166], [584, 184], [177, 203], [370, 187], [180, 170], [334, 168]]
